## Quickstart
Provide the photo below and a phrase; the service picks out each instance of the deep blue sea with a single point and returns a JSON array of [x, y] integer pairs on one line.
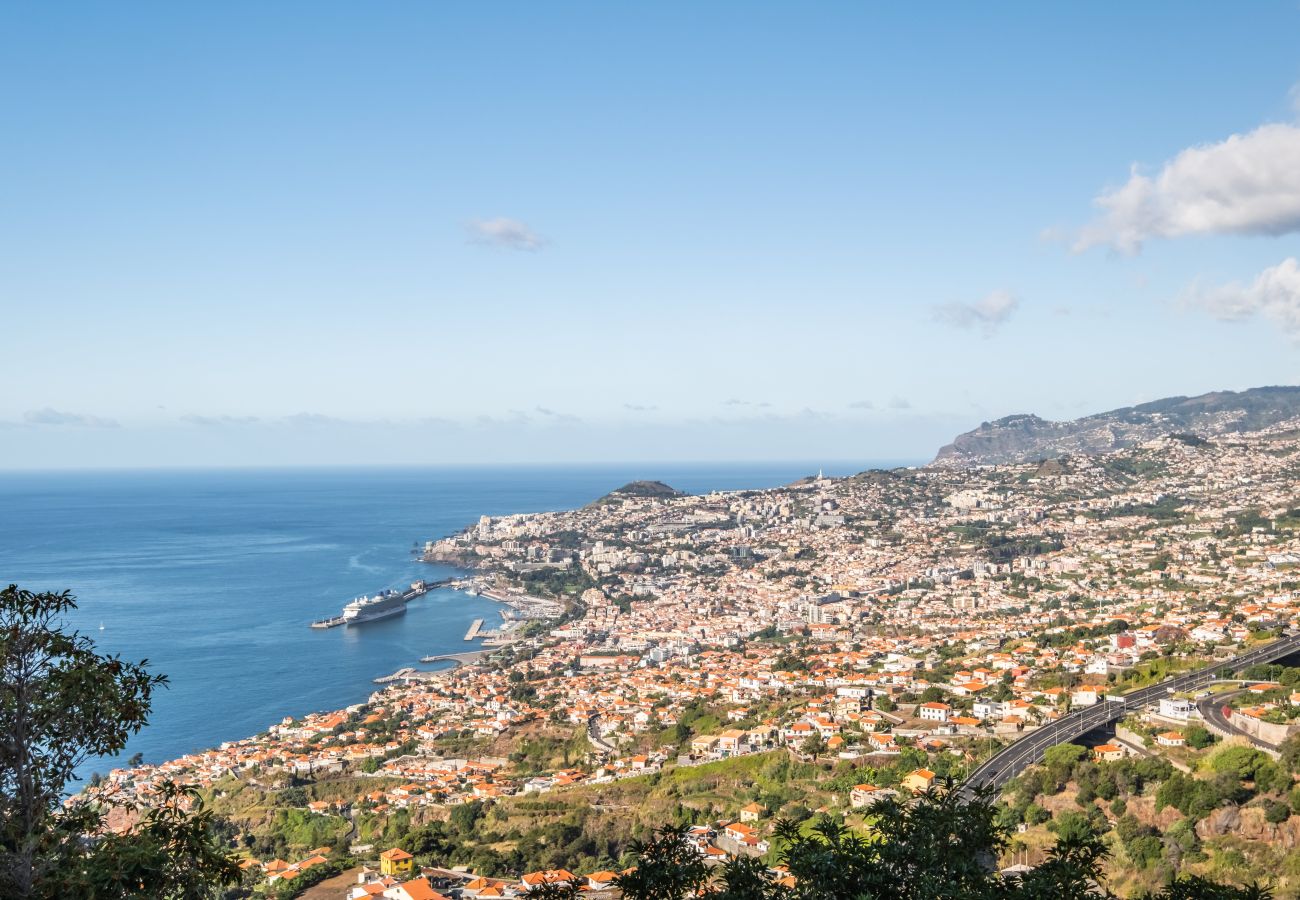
[[213, 576]]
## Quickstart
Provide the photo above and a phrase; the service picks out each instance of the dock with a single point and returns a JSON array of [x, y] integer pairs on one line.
[[417, 589], [475, 627], [405, 674]]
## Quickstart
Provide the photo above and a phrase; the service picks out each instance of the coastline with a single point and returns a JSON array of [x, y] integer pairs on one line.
[[227, 600]]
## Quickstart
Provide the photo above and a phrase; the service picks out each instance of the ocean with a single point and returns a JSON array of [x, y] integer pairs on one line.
[[214, 576]]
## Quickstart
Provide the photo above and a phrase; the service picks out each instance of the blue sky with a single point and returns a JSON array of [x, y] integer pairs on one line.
[[326, 233]]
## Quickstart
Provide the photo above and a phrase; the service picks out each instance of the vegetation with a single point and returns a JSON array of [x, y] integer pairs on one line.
[[936, 848], [1155, 821], [61, 704]]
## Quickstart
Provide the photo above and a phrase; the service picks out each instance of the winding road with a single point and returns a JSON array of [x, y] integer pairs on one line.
[[1006, 764], [1211, 710]]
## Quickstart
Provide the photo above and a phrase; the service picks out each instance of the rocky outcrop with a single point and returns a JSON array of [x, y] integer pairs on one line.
[[1249, 824]]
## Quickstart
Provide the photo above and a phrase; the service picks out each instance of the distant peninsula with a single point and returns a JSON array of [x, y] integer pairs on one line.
[[1028, 438]]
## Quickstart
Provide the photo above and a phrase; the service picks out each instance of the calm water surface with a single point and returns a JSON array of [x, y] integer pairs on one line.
[[214, 575]]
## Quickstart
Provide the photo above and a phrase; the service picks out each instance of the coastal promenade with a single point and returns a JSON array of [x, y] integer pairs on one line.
[[1000, 768]]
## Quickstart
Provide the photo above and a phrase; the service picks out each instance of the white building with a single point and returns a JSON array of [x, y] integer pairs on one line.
[[934, 712]]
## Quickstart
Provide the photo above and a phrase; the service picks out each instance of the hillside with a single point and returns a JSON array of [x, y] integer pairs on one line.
[[641, 490], [1026, 437]]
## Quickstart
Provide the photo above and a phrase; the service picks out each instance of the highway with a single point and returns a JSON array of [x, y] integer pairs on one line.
[[1006, 764]]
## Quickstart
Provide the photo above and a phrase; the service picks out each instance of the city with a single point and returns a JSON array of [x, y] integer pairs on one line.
[[899, 624]]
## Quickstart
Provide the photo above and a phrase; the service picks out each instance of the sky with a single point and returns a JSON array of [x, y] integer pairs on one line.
[[393, 233]]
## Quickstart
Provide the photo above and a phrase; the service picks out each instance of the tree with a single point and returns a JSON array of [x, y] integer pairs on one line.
[[466, 816], [1063, 757], [1290, 754], [1244, 763], [1198, 737], [555, 891], [814, 745], [668, 868], [61, 704]]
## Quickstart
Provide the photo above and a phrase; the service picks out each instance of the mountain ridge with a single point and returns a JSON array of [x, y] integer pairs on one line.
[[1025, 437]]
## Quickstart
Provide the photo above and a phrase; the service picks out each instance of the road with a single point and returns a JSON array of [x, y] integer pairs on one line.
[[593, 735], [1211, 710], [1000, 768]]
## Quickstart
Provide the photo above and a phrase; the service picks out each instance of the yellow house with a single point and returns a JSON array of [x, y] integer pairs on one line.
[[918, 781], [396, 862]]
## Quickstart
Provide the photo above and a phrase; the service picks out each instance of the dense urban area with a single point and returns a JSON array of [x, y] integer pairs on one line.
[[726, 661]]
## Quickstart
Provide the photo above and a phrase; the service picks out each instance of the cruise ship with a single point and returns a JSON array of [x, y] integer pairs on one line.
[[380, 606]]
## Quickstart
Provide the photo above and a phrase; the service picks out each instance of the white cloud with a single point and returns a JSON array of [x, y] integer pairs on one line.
[[862, 404], [1274, 294], [900, 403], [988, 313], [1247, 184], [510, 234], [49, 416]]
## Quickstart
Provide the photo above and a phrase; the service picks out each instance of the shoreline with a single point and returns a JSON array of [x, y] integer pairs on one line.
[[172, 735]]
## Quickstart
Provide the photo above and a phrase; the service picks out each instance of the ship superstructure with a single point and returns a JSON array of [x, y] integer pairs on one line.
[[379, 606]]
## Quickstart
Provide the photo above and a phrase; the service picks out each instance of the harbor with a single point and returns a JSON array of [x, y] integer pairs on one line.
[[516, 610], [381, 605]]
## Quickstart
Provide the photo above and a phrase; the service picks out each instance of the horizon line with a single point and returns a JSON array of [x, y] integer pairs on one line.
[[869, 463]]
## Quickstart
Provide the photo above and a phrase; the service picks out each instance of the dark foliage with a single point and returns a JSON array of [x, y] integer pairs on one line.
[[60, 704]]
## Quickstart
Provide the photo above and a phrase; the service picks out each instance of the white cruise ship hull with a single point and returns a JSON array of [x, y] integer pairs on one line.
[[363, 617]]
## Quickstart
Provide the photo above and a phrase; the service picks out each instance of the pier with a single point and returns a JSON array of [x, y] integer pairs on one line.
[[475, 627], [460, 659], [399, 675]]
